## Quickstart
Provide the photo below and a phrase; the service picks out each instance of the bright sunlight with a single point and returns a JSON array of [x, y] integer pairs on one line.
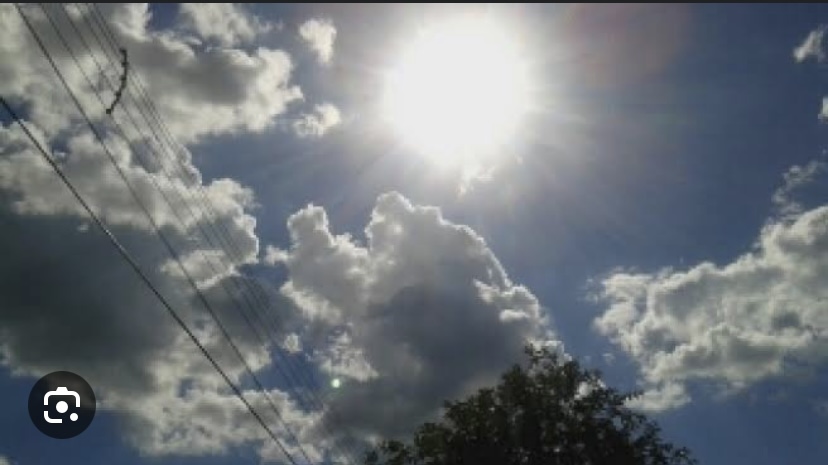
[[458, 92]]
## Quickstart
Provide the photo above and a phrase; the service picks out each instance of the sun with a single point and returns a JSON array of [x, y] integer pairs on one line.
[[458, 92]]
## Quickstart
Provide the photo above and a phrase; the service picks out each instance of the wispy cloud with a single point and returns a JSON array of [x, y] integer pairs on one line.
[[812, 47], [797, 177]]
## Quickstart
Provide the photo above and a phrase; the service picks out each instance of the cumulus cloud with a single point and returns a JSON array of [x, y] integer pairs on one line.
[[201, 91], [420, 313], [319, 122], [226, 23], [320, 35], [762, 316], [812, 46], [68, 301]]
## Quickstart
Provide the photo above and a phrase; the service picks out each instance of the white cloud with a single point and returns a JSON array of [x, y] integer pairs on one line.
[[664, 397], [206, 422], [97, 318], [5, 461], [762, 316], [420, 279], [226, 23], [320, 35], [200, 91], [797, 177], [318, 123], [274, 255], [420, 313], [812, 46]]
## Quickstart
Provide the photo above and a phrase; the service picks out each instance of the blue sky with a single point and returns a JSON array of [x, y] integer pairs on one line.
[[641, 216]]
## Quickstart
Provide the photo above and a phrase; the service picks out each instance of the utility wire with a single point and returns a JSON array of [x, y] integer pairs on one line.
[[290, 376], [164, 239], [140, 273], [165, 132], [254, 291]]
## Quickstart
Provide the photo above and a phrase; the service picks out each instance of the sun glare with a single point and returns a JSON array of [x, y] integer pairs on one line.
[[458, 92]]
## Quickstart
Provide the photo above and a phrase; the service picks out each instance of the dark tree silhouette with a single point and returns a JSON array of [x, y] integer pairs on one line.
[[549, 412]]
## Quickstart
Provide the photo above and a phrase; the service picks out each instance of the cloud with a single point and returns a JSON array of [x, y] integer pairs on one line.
[[665, 397], [762, 316], [320, 35], [200, 91], [97, 319], [274, 255], [318, 123], [420, 313], [226, 23], [797, 177], [208, 423], [406, 320], [5, 461], [812, 46], [67, 299]]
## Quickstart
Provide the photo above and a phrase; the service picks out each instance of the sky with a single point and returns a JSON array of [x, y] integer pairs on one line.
[[382, 204]]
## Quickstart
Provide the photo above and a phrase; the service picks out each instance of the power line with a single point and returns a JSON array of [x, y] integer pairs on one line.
[[287, 376], [235, 280], [171, 143], [164, 240], [140, 273]]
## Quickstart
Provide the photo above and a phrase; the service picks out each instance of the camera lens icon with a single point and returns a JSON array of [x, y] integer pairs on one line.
[[62, 405]]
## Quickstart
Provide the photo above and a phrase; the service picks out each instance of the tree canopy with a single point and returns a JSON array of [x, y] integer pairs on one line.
[[550, 411]]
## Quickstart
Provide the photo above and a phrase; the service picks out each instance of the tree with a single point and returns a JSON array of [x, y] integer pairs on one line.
[[551, 412]]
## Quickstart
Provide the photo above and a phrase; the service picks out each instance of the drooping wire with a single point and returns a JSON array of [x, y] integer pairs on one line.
[[203, 233], [140, 273], [232, 296], [171, 143], [264, 323], [170, 249]]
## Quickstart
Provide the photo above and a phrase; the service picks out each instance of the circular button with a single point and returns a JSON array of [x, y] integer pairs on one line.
[[62, 405]]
